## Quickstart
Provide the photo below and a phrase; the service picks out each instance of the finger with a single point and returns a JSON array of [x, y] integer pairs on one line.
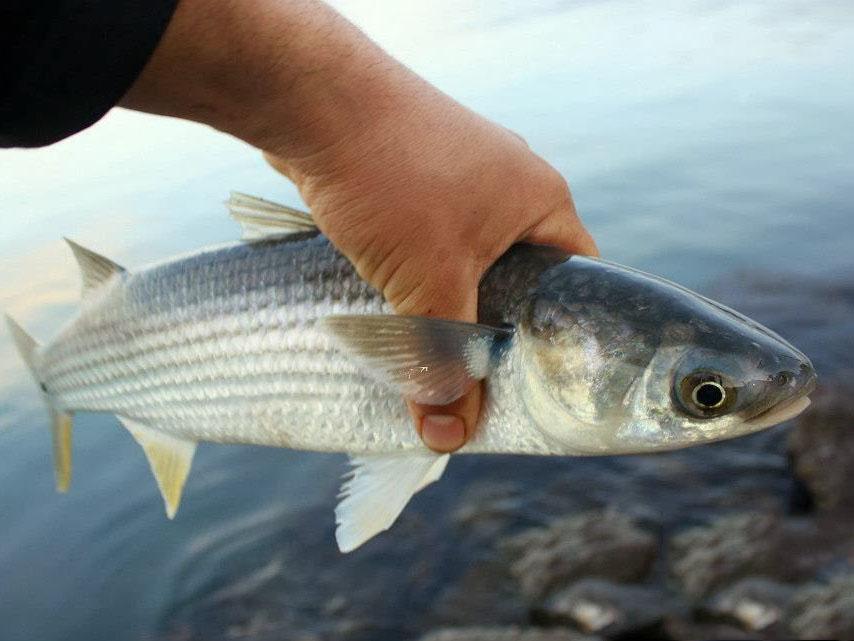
[[563, 228], [518, 136], [446, 428], [279, 164]]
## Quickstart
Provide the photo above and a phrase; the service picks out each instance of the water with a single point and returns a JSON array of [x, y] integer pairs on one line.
[[707, 141]]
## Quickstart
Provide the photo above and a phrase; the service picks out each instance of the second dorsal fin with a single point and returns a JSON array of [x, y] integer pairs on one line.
[[261, 218], [95, 270]]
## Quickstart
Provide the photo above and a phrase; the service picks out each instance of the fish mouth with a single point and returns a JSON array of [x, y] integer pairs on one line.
[[805, 383], [779, 413]]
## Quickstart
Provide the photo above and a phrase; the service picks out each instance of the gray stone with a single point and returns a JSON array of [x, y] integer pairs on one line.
[[487, 508], [705, 558], [754, 604], [595, 544], [822, 446], [686, 629], [824, 611], [605, 608], [505, 634], [484, 592]]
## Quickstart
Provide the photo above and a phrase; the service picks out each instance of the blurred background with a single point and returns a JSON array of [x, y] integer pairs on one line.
[[708, 141]]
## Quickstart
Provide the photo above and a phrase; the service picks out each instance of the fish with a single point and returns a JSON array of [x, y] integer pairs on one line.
[[275, 340]]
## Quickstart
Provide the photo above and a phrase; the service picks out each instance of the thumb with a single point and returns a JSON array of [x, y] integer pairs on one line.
[[444, 428], [563, 228]]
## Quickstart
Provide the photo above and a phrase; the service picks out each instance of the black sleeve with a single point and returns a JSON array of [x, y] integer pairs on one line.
[[65, 63]]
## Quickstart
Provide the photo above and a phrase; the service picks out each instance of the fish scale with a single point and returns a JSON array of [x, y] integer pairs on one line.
[[277, 341], [223, 345]]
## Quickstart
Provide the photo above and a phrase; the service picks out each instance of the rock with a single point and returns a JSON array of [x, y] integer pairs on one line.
[[335, 606], [595, 544], [487, 509], [822, 446], [484, 592], [708, 557], [687, 629], [754, 604], [256, 627], [824, 611], [505, 634], [609, 609]]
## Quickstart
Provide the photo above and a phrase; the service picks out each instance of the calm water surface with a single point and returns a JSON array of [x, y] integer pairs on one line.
[[705, 141]]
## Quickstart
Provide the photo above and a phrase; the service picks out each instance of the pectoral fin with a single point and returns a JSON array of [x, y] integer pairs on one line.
[[170, 459], [378, 489], [428, 360]]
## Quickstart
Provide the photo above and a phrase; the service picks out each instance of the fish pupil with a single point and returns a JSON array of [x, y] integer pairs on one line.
[[709, 394]]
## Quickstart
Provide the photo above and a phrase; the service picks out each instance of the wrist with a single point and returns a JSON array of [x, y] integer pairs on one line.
[[291, 77], [331, 91], [304, 79]]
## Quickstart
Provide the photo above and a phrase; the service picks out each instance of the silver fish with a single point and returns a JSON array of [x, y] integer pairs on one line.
[[276, 340]]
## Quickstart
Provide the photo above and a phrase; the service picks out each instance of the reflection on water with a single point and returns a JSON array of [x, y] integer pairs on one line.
[[707, 142]]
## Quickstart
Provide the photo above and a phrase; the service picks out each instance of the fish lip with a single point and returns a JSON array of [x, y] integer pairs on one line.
[[780, 412], [789, 409]]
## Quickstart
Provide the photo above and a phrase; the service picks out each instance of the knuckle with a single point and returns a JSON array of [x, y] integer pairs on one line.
[[560, 186]]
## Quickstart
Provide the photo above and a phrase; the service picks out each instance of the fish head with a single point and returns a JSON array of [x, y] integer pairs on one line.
[[618, 361]]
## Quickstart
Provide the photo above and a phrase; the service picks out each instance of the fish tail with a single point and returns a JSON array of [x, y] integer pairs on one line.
[[60, 421], [25, 343]]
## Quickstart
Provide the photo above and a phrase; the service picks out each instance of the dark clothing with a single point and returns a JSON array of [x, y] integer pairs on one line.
[[65, 63]]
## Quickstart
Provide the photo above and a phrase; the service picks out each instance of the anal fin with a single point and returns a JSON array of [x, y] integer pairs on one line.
[[170, 459], [378, 490]]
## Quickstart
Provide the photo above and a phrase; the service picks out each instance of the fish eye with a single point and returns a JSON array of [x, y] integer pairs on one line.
[[706, 394]]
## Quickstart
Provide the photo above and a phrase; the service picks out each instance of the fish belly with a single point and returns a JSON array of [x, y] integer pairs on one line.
[[240, 378]]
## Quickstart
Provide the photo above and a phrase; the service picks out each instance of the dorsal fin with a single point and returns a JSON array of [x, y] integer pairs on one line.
[[261, 218], [95, 270]]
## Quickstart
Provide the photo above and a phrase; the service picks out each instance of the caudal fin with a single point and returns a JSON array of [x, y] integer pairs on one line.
[[25, 343], [60, 421]]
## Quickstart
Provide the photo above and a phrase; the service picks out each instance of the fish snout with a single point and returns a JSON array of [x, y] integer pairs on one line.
[[806, 378], [789, 393], [797, 379]]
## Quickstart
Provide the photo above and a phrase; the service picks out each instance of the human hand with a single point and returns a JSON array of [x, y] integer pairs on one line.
[[420, 193], [423, 202]]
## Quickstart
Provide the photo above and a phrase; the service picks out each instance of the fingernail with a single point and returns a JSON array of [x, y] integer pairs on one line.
[[443, 432]]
